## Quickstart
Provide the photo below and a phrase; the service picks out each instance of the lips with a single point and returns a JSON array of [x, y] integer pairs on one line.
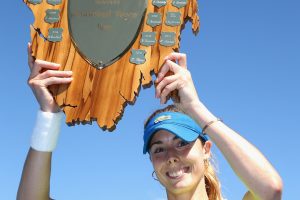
[[177, 173]]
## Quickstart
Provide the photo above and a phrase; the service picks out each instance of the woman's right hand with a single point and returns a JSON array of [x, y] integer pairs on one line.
[[42, 75], [180, 80]]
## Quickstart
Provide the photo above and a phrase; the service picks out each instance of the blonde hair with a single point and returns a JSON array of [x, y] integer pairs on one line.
[[212, 184]]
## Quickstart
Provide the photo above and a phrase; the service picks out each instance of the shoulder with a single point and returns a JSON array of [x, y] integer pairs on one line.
[[249, 196]]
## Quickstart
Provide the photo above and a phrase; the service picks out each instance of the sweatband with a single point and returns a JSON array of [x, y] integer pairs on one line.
[[46, 131]]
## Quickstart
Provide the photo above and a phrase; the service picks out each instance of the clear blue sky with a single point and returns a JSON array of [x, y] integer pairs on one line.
[[246, 66]]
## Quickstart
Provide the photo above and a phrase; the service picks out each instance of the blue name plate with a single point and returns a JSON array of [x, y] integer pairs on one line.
[[159, 3], [52, 16], [55, 34], [54, 2], [167, 39], [154, 19], [148, 38], [179, 3], [137, 56], [35, 1], [173, 18]]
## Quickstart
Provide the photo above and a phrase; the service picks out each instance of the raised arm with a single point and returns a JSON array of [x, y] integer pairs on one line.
[[247, 161], [35, 181]]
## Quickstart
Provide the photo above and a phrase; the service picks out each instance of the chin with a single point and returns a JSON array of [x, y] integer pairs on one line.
[[180, 186]]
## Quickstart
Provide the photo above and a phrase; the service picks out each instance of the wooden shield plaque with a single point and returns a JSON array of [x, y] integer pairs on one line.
[[112, 47]]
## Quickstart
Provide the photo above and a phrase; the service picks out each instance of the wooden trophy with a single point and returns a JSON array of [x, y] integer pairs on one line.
[[112, 47]]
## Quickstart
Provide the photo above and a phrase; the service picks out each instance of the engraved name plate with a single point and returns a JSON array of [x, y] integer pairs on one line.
[[54, 2], [148, 38], [55, 34], [137, 56], [52, 16], [159, 3], [154, 19], [35, 1], [173, 18], [179, 3], [167, 39]]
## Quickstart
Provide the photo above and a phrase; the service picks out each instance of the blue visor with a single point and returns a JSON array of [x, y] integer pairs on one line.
[[176, 123]]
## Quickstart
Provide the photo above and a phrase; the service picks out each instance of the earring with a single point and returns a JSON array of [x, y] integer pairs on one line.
[[206, 162], [154, 176]]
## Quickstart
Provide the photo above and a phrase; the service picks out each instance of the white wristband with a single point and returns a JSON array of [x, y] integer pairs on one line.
[[46, 131]]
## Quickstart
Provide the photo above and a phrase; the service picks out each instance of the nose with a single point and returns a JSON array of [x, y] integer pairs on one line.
[[172, 160], [172, 156]]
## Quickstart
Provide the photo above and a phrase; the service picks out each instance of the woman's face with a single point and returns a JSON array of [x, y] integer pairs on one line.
[[179, 165]]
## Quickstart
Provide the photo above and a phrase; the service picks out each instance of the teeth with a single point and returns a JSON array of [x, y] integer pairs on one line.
[[176, 173]]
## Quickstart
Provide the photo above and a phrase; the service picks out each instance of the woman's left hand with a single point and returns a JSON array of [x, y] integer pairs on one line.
[[180, 80]]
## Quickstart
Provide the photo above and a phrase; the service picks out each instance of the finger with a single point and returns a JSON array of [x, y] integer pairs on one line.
[[165, 94], [30, 57], [56, 80], [41, 64], [47, 65], [54, 73], [166, 81], [180, 57], [168, 66]]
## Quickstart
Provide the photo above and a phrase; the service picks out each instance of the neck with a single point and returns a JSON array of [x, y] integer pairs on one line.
[[199, 192]]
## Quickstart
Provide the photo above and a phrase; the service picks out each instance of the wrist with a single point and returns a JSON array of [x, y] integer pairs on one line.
[[51, 109], [46, 131], [199, 112]]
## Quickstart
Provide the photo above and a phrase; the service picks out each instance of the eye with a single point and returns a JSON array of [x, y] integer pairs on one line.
[[182, 143], [156, 150]]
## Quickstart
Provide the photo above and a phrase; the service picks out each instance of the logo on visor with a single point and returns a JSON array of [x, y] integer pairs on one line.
[[162, 118]]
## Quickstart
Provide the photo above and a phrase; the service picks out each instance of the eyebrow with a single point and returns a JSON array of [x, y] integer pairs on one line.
[[160, 142]]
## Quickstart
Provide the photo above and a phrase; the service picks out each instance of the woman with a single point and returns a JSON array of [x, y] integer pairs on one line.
[[178, 147], [180, 151]]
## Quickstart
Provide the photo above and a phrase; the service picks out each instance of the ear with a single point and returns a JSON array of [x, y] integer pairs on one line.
[[206, 149]]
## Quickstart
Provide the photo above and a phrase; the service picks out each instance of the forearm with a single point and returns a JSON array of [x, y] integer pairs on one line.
[[247, 161], [35, 181]]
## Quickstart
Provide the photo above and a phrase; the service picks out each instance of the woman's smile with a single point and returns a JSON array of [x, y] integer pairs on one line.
[[177, 173]]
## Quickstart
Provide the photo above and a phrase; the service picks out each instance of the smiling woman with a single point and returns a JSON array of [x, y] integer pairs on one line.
[[176, 139]]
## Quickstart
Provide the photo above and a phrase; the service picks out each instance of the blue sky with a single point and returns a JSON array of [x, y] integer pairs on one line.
[[245, 63]]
